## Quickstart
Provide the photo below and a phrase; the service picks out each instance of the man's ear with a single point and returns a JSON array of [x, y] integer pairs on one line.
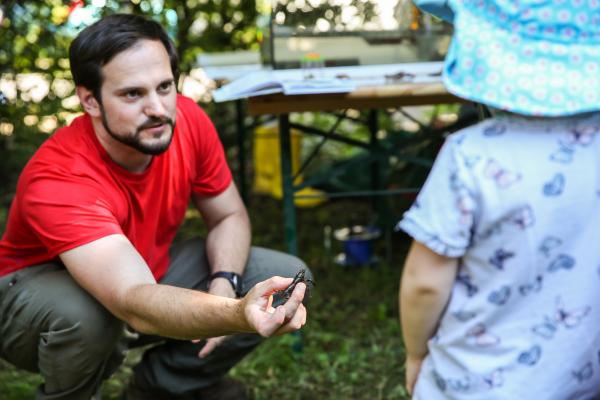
[[88, 101]]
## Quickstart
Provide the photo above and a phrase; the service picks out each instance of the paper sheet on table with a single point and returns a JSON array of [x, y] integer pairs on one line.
[[326, 80]]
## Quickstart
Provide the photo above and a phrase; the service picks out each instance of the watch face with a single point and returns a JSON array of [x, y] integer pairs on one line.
[[238, 284], [233, 278]]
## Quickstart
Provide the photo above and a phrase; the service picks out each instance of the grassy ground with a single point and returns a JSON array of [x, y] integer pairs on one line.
[[351, 346]]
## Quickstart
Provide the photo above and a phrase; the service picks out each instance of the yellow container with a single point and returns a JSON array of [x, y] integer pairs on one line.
[[267, 165]]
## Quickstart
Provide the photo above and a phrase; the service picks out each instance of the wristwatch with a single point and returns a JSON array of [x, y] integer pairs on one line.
[[233, 278]]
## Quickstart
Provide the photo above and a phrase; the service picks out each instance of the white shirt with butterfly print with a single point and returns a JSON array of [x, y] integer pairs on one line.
[[517, 200]]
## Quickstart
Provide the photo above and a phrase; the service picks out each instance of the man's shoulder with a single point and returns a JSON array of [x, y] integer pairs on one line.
[[69, 137], [187, 105], [67, 151]]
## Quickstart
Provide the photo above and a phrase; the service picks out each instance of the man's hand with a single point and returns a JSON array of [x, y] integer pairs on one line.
[[211, 344], [413, 367], [269, 321], [260, 315]]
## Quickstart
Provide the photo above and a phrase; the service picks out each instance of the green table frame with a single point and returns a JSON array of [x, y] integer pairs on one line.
[[364, 98]]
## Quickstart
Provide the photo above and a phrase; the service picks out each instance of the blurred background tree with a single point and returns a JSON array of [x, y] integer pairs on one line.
[[309, 14], [38, 95]]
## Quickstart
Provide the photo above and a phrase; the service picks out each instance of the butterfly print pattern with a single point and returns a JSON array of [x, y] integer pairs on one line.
[[562, 261], [555, 186], [584, 373], [465, 279], [496, 129], [549, 244], [471, 161], [499, 258], [523, 218], [500, 297], [563, 155], [480, 337], [470, 382], [531, 356], [581, 136], [532, 287], [562, 318], [501, 176], [495, 379], [464, 316]]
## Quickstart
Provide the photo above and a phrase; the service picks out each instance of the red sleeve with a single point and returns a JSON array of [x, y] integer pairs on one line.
[[212, 174], [66, 211]]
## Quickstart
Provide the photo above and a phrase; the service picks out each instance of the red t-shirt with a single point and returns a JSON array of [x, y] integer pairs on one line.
[[72, 193]]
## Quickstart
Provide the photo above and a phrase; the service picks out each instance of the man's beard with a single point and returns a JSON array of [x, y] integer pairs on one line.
[[133, 140]]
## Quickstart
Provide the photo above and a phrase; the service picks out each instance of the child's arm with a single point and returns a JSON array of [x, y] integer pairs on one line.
[[425, 290]]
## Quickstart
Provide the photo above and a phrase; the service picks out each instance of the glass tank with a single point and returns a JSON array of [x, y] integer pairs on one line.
[[328, 33]]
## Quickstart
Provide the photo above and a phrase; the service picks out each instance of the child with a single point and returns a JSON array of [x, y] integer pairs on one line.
[[500, 295]]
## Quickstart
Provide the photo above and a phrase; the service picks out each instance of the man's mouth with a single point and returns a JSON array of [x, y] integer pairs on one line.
[[154, 126]]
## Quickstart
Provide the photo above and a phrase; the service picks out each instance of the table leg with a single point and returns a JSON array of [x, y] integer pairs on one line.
[[380, 204], [289, 211], [373, 125]]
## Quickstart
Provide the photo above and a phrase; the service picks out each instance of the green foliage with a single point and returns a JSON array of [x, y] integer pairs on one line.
[[306, 13], [16, 384], [28, 45]]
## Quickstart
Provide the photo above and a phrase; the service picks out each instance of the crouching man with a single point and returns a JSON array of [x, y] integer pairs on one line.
[[88, 249]]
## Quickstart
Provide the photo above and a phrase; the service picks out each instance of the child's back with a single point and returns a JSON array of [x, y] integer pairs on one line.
[[500, 294], [518, 200]]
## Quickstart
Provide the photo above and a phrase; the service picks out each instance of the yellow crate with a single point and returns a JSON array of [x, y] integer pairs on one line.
[[267, 165]]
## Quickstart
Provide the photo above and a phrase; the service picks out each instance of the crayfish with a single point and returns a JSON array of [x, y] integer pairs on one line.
[[286, 293], [300, 277]]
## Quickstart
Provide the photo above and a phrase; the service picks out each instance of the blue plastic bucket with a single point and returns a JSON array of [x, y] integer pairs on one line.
[[358, 251], [358, 244]]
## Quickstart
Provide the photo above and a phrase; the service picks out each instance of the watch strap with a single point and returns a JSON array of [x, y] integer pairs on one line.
[[233, 278]]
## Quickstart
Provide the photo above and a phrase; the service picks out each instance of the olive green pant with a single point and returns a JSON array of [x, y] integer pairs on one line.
[[50, 325]]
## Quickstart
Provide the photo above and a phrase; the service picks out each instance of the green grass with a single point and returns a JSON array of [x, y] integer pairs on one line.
[[350, 347]]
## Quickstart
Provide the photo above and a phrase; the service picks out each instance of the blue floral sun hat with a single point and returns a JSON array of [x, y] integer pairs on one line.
[[525, 56]]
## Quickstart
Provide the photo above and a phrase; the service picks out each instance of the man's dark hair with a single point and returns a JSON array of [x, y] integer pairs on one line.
[[100, 42]]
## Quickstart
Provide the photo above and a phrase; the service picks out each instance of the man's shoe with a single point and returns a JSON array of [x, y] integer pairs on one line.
[[224, 389]]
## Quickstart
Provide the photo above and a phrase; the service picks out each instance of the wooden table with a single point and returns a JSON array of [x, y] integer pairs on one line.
[[365, 98]]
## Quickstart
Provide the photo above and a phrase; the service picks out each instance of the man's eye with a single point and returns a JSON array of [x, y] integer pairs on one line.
[[165, 87], [132, 94]]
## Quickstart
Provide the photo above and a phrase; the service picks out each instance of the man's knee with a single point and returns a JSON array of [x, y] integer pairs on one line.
[[84, 345], [265, 263], [81, 314], [90, 325], [55, 325]]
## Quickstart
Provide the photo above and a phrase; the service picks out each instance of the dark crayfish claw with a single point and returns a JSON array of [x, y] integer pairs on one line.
[[300, 277]]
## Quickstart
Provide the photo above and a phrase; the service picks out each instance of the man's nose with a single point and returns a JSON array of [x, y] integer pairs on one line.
[[154, 107]]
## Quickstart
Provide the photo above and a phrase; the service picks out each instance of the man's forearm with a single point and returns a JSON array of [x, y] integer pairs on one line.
[[228, 244], [182, 313]]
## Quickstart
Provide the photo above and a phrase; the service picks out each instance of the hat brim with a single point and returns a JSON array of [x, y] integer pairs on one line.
[[488, 63]]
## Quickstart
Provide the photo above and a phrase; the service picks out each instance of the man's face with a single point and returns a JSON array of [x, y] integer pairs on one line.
[[138, 97]]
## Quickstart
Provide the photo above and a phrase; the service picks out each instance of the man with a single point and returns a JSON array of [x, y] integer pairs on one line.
[[88, 245]]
